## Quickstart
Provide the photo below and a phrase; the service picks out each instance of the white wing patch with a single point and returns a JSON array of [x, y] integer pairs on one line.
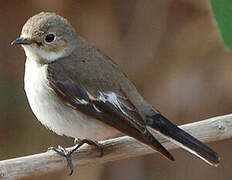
[[114, 99], [81, 101]]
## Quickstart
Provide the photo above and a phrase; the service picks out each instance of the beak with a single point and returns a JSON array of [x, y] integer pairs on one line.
[[21, 41]]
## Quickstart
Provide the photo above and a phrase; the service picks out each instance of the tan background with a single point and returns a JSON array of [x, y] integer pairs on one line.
[[171, 50]]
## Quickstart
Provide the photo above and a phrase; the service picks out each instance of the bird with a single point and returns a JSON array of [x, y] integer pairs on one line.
[[75, 90]]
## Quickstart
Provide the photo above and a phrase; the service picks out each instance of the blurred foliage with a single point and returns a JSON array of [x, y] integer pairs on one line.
[[222, 10]]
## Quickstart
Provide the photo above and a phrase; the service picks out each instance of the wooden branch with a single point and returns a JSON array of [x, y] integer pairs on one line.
[[214, 129]]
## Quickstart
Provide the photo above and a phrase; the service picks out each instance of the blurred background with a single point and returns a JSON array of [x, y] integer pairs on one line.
[[170, 49]]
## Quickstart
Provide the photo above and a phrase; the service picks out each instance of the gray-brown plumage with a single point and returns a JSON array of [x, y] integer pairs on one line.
[[79, 91], [98, 76]]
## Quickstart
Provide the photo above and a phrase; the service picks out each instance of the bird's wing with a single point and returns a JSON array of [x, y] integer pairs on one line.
[[89, 82], [112, 107]]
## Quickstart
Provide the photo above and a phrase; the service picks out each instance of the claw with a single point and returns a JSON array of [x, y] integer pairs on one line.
[[78, 143], [100, 148], [65, 153]]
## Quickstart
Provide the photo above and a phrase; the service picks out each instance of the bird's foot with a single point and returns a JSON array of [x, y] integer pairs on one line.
[[65, 153], [98, 145], [77, 144]]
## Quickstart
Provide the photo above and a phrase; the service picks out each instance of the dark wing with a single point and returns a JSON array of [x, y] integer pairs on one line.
[[111, 107]]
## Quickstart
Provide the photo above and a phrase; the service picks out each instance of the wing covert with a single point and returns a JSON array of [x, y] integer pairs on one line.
[[95, 102]]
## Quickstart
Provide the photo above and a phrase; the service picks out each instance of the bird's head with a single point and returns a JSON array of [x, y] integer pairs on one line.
[[47, 37]]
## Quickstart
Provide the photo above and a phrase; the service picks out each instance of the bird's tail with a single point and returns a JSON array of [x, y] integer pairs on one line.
[[159, 124]]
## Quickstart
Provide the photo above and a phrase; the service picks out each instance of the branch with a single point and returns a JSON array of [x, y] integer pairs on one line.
[[214, 129]]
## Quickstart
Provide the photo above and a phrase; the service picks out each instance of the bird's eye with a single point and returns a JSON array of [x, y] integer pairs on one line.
[[49, 38]]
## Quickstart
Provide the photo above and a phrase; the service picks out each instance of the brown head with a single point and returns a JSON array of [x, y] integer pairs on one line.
[[47, 36]]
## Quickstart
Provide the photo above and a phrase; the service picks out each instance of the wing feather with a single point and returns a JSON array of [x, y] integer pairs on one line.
[[112, 107]]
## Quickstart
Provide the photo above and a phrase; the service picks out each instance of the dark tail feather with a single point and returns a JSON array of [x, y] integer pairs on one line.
[[159, 124], [155, 144]]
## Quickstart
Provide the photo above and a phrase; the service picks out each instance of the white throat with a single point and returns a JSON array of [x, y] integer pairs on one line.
[[36, 54]]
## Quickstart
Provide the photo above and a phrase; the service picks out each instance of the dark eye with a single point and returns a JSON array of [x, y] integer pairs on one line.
[[49, 38]]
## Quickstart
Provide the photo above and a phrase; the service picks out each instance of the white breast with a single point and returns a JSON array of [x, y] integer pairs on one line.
[[55, 115]]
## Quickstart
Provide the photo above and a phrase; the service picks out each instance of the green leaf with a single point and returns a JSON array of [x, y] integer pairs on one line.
[[222, 10]]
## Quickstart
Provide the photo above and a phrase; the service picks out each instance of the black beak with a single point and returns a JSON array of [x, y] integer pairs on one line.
[[21, 41]]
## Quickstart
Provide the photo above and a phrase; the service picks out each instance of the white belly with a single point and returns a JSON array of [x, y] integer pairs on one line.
[[55, 115]]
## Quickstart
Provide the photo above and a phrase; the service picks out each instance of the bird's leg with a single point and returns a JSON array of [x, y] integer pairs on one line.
[[77, 144], [98, 145]]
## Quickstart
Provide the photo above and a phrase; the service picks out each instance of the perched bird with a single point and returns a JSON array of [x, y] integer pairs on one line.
[[76, 90]]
